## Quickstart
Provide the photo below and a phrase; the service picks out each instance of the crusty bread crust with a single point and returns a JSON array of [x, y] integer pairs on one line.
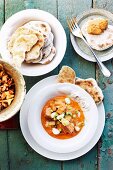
[[91, 86], [66, 75]]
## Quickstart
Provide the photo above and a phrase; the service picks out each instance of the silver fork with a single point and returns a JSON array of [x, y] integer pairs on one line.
[[76, 31]]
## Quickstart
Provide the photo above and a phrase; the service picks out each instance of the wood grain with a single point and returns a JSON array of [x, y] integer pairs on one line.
[[13, 6], [83, 68], [22, 157], [20, 154], [14, 151], [3, 134], [4, 156], [70, 8], [105, 145], [1, 12]]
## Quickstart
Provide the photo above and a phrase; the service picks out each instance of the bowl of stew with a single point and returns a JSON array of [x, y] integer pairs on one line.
[[61, 117]]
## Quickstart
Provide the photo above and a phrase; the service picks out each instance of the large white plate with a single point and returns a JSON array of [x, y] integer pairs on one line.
[[80, 47], [41, 150], [19, 19], [39, 133]]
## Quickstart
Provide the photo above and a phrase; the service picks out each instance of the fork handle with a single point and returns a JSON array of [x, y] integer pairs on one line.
[[102, 67]]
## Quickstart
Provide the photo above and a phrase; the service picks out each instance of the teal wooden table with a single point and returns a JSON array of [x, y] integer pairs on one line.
[[15, 153]]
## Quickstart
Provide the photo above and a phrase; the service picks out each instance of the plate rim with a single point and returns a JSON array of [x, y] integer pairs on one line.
[[49, 154], [51, 143]]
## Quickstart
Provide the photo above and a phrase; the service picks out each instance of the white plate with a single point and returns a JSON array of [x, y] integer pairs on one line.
[[80, 47], [21, 18], [43, 151], [42, 137]]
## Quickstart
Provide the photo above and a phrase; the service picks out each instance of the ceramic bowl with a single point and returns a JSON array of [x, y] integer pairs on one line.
[[20, 91]]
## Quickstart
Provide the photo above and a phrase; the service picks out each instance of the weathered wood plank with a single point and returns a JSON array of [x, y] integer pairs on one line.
[[105, 152], [88, 161], [73, 8], [20, 154], [103, 4], [3, 134], [12, 6], [83, 69], [23, 157], [3, 150], [1, 12]]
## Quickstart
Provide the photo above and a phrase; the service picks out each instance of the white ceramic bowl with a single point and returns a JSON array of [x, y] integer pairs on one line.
[[43, 138], [20, 92], [21, 18]]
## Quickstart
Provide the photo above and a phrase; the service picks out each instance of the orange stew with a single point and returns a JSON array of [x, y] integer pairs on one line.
[[62, 117]]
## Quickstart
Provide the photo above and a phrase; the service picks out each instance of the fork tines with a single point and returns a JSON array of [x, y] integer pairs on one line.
[[71, 23]]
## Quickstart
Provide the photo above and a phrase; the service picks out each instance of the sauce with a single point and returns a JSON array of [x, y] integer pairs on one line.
[[62, 117]]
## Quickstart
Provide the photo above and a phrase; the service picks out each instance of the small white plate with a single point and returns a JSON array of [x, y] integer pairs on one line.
[[39, 133], [21, 18], [80, 47], [43, 151]]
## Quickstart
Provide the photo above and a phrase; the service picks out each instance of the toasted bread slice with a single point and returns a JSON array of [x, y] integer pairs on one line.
[[66, 75], [91, 86]]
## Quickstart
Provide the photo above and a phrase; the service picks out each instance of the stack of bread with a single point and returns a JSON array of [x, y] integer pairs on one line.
[[32, 43]]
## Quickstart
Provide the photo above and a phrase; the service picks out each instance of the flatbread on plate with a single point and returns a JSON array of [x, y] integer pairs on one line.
[[40, 26], [66, 75], [99, 42], [22, 40], [90, 85], [34, 53], [50, 57]]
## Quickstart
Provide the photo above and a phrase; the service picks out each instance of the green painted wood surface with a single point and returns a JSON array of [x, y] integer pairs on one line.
[[1, 12], [3, 134], [4, 152], [22, 157], [25, 157], [105, 148], [74, 8], [15, 153]]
